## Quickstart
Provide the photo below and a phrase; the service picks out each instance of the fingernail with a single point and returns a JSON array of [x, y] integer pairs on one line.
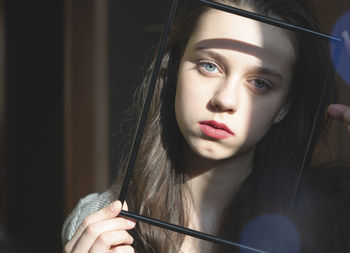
[[116, 205], [131, 223]]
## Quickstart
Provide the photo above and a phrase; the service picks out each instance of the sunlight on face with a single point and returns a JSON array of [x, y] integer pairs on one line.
[[233, 81]]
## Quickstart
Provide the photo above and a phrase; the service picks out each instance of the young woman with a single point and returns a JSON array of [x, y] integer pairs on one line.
[[225, 140]]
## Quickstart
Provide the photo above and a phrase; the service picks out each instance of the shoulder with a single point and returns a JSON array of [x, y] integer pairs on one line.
[[87, 205]]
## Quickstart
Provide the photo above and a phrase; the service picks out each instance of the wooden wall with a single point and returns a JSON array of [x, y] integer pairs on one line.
[[85, 99]]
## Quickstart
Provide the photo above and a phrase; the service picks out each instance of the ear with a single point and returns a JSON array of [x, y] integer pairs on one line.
[[281, 114]]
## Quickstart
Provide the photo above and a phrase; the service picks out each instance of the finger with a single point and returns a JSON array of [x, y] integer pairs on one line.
[[123, 249], [108, 212], [94, 231], [346, 115], [125, 208], [339, 111], [107, 240]]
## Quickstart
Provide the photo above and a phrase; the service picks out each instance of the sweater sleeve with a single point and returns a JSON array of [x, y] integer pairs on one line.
[[87, 205]]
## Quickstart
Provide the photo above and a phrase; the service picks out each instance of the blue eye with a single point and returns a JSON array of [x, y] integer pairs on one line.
[[210, 67], [260, 85]]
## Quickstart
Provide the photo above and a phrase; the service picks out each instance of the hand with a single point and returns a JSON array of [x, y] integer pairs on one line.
[[102, 232], [340, 112]]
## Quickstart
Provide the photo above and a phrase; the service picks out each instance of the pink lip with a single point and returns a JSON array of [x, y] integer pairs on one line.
[[215, 129]]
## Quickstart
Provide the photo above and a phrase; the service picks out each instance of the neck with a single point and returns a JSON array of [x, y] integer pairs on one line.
[[213, 183]]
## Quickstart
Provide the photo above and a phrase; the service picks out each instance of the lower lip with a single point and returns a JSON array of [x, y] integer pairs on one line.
[[214, 132]]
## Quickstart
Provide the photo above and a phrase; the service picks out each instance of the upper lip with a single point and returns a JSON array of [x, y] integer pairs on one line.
[[217, 125]]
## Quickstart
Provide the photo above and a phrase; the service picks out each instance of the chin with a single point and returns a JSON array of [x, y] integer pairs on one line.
[[210, 151], [215, 155]]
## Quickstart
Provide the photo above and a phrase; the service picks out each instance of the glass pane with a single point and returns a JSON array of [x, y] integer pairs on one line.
[[235, 144]]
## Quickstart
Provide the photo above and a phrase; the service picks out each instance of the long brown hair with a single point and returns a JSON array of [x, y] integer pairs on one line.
[[157, 189]]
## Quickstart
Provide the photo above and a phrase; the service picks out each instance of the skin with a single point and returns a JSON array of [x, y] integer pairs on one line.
[[227, 91], [103, 231], [341, 113], [220, 79]]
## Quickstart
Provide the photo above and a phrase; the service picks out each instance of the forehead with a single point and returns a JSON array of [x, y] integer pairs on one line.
[[219, 29]]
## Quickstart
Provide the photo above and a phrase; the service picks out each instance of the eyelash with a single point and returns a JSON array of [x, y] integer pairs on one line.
[[267, 84], [202, 63]]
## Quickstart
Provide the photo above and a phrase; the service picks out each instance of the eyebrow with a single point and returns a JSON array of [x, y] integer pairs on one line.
[[211, 53], [255, 69], [267, 71]]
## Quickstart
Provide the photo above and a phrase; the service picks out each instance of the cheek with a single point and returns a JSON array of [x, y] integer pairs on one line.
[[182, 102], [258, 117], [259, 128], [191, 97], [182, 98]]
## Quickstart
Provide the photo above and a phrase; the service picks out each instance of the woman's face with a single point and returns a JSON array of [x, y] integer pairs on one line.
[[232, 84]]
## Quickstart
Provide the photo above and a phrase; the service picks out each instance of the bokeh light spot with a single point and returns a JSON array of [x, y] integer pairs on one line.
[[341, 29], [272, 233]]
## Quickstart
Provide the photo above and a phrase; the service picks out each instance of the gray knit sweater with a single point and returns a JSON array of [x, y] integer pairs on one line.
[[87, 205]]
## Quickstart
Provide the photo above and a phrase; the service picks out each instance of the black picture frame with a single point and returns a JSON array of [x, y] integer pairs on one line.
[[144, 112]]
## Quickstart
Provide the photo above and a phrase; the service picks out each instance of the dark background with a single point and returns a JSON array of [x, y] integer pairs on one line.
[[33, 125], [133, 37], [32, 159]]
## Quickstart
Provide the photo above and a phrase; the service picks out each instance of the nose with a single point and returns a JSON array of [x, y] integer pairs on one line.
[[225, 97]]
